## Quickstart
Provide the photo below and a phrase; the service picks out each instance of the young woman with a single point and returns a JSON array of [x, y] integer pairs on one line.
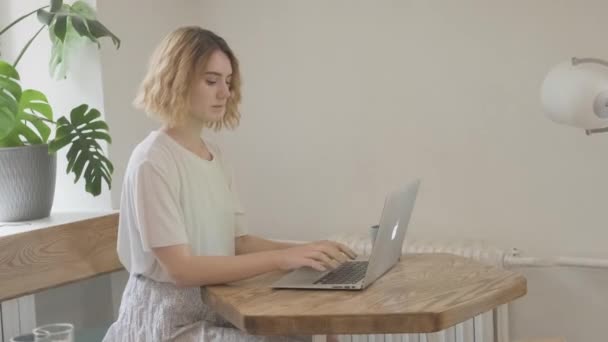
[[181, 223]]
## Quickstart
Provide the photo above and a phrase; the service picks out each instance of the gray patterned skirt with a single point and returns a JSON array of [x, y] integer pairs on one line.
[[151, 311]]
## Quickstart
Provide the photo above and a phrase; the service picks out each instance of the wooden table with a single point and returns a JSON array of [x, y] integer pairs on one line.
[[423, 293]]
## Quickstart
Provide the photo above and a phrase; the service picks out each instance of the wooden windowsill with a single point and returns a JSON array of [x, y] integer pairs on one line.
[[56, 219], [58, 250]]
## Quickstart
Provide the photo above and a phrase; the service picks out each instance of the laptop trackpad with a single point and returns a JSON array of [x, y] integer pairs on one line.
[[302, 276]]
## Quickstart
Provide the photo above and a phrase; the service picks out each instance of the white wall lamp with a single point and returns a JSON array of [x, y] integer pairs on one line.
[[575, 93]]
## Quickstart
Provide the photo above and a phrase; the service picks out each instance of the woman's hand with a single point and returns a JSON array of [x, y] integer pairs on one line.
[[320, 255]]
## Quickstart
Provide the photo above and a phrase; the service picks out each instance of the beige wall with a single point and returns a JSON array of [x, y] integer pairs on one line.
[[346, 100]]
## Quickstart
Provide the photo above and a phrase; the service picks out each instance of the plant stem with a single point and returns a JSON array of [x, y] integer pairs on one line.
[[27, 46], [21, 18]]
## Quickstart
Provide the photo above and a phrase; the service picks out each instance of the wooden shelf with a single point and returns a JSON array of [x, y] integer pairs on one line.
[[56, 251]]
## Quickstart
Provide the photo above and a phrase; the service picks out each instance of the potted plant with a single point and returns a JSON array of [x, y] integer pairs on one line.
[[27, 142]]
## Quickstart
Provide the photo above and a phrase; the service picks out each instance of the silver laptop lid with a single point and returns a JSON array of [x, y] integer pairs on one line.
[[395, 218]]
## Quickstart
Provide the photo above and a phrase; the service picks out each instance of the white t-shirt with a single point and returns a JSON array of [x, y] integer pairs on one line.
[[170, 196]]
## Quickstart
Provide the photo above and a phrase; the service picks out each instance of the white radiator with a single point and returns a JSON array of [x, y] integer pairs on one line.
[[479, 329], [491, 326]]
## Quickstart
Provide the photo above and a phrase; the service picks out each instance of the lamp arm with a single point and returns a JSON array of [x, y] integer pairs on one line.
[[577, 61], [596, 130]]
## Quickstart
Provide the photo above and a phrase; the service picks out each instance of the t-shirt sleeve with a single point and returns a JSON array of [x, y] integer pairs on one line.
[[158, 214]]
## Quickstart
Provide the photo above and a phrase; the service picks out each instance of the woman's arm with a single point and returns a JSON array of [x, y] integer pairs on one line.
[[250, 244], [187, 270]]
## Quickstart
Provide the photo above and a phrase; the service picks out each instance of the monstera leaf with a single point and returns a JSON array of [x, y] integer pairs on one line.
[[85, 156], [70, 26], [10, 93], [34, 108], [23, 114]]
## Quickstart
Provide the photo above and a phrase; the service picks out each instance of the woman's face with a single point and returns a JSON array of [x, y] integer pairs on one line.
[[211, 89]]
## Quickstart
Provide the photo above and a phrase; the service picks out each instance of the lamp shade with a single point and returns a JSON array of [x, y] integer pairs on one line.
[[576, 95]]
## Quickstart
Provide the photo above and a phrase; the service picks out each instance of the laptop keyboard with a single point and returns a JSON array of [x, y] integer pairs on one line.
[[347, 273]]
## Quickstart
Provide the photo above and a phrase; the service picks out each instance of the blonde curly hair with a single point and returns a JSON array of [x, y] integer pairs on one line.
[[164, 92]]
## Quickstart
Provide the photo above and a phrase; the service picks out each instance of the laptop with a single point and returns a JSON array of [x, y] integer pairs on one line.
[[363, 271]]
